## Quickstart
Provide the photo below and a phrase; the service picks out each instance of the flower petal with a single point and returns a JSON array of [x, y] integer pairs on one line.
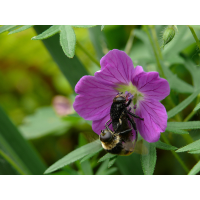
[[155, 119], [94, 99], [151, 85], [116, 68], [99, 125]]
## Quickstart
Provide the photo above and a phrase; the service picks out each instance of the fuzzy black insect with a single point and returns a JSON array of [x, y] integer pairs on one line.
[[119, 141], [118, 110]]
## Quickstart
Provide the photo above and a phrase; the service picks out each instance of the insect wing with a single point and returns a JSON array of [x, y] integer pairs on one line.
[[140, 148]]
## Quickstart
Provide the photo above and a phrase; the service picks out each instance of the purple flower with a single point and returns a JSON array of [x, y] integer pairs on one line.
[[117, 74]]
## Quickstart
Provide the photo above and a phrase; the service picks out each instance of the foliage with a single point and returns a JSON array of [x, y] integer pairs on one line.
[[31, 77]]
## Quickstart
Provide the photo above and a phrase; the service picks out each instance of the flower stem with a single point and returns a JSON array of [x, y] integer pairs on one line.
[[195, 36], [178, 117], [154, 50], [175, 154], [153, 31], [129, 42], [88, 54]]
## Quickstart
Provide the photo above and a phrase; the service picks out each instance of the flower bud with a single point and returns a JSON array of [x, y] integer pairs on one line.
[[168, 34]]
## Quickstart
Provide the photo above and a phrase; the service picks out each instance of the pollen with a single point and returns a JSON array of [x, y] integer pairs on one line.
[[132, 90]]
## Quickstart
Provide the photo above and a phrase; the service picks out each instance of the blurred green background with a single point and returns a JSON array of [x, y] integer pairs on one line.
[[30, 80]]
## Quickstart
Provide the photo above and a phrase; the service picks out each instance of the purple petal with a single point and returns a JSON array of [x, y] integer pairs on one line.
[[137, 71], [150, 84], [116, 68], [94, 99], [155, 119], [99, 125]]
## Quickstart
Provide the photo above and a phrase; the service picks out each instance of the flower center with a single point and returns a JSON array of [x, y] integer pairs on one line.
[[137, 96]]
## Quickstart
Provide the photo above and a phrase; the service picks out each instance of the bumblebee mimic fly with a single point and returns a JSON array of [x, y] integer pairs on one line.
[[120, 141]]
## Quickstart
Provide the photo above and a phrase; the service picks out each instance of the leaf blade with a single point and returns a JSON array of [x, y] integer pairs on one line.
[[6, 28], [18, 144], [184, 125], [74, 155], [68, 40], [195, 169], [190, 147], [148, 161], [23, 28], [47, 33], [83, 26], [72, 69], [182, 105], [164, 146]]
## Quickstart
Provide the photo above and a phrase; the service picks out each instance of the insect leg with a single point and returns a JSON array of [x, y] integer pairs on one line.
[[132, 114], [126, 131], [107, 126], [129, 102], [133, 125]]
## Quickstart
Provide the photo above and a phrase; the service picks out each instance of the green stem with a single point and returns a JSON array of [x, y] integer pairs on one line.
[[195, 36], [88, 54], [154, 50], [178, 117], [175, 154], [129, 42], [11, 162], [153, 31]]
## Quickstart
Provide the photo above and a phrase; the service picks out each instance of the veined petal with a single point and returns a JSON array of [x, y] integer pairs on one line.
[[116, 68], [151, 85], [94, 99], [155, 119], [99, 125]]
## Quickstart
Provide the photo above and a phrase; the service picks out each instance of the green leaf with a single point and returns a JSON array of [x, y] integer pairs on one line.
[[164, 146], [148, 161], [184, 125], [43, 122], [47, 33], [6, 28], [17, 148], [102, 27], [182, 105], [89, 156], [103, 168], [107, 156], [195, 169], [68, 40], [129, 165], [111, 171], [195, 152], [194, 71], [197, 107], [83, 26], [176, 83], [190, 147], [177, 131], [72, 69], [86, 168], [112, 161], [75, 155], [23, 28]]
